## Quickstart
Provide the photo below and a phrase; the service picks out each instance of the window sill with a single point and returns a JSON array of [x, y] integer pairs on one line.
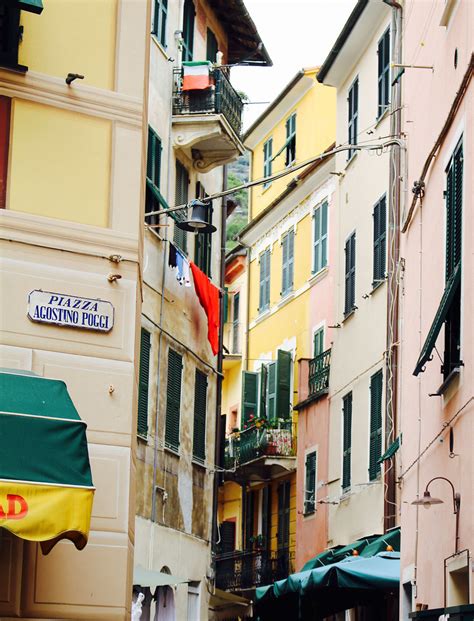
[[317, 276], [383, 116], [265, 188], [377, 285], [309, 514], [142, 438], [173, 451], [286, 297], [14, 68], [263, 313], [352, 158], [449, 381], [350, 314], [200, 464]]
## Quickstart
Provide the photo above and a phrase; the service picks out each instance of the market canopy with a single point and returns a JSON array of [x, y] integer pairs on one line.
[[46, 489], [149, 578]]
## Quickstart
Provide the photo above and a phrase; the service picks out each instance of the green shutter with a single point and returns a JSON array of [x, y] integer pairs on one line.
[[318, 342], [188, 30], [283, 384], [310, 483], [249, 395], [180, 237], [379, 251], [266, 516], [375, 443], [288, 243], [271, 391], [143, 380], [264, 298], [320, 250], [454, 211], [227, 533], [452, 286], [284, 514], [346, 440], [226, 304], [349, 275], [211, 46], [33, 6], [249, 505], [199, 430], [173, 400], [263, 390]]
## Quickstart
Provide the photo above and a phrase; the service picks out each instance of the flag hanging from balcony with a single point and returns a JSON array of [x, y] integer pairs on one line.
[[196, 75]]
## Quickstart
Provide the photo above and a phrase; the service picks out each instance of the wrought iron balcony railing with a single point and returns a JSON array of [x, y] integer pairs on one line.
[[259, 441], [319, 374], [220, 98], [245, 570]]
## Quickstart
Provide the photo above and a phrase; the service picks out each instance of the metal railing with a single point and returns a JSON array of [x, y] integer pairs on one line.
[[245, 570], [256, 442], [220, 98], [318, 377]]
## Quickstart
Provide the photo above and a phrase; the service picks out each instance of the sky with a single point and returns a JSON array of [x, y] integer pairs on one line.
[[297, 34]]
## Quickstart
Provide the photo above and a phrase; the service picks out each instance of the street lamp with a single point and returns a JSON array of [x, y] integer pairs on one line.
[[427, 500], [198, 222]]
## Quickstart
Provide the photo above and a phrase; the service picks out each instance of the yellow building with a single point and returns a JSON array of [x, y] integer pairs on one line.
[[259, 517], [72, 177]]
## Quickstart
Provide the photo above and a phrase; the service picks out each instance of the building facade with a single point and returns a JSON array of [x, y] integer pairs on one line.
[[72, 201], [194, 130], [436, 370], [259, 496]]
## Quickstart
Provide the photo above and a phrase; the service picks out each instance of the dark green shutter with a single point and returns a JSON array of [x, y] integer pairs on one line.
[[375, 444], [349, 275], [288, 243], [271, 391], [266, 516], [383, 51], [454, 211], [284, 271], [283, 381], [320, 249], [180, 237], [211, 46], [263, 390], [249, 518], [188, 30], [284, 514], [249, 395], [199, 430], [346, 440], [353, 112], [173, 399], [226, 304], [380, 216], [143, 380], [227, 533], [310, 486], [318, 342]]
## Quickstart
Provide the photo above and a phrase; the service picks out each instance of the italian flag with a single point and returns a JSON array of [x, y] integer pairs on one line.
[[196, 75]]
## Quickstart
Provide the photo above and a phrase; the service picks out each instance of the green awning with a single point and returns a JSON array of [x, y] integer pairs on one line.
[[392, 538], [452, 286], [392, 449], [33, 6], [324, 558]]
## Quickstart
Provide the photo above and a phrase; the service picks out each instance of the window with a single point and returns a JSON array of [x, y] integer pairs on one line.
[[290, 140], [346, 440], [154, 199], [353, 107], [320, 249], [9, 34], [349, 303], [194, 612], [203, 241], [310, 484], [318, 342], [180, 237], [188, 30], [267, 161], [160, 11], [272, 392], [380, 217], [143, 379], [235, 323], [266, 516], [288, 245], [264, 299], [283, 535], [212, 46], [249, 498], [375, 443], [5, 105], [449, 309], [383, 51], [173, 400], [199, 431]]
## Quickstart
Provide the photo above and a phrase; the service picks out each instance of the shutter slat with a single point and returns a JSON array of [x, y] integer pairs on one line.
[[249, 395], [144, 374], [199, 430], [173, 400], [346, 440], [283, 382], [271, 390], [375, 442]]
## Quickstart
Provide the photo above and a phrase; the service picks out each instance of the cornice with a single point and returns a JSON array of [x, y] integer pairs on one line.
[[85, 99], [67, 236]]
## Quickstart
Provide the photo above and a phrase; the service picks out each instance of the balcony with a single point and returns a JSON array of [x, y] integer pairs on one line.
[[260, 453], [207, 122], [237, 571], [314, 378]]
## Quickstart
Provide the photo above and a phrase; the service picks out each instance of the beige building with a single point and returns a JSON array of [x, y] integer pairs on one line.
[[71, 195], [193, 133]]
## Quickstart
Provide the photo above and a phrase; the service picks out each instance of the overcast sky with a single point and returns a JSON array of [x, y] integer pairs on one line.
[[296, 33]]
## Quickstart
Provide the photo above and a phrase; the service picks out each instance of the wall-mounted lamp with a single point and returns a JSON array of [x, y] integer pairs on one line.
[[73, 76], [198, 222], [427, 500]]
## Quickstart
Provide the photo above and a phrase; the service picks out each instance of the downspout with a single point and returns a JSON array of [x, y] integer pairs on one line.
[[220, 357], [393, 264]]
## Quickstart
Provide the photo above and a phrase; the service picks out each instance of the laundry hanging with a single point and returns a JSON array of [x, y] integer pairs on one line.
[[177, 260], [208, 295]]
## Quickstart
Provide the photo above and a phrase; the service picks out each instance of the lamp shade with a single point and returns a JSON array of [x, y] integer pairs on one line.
[[198, 222], [427, 500]]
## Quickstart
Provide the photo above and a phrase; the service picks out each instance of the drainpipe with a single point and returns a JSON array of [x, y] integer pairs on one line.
[[220, 357], [393, 262]]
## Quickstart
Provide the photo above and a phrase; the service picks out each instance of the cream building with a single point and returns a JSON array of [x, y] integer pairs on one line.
[[357, 386], [72, 181], [192, 135]]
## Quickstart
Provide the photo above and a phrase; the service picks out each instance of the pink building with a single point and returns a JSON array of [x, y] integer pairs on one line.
[[436, 406]]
